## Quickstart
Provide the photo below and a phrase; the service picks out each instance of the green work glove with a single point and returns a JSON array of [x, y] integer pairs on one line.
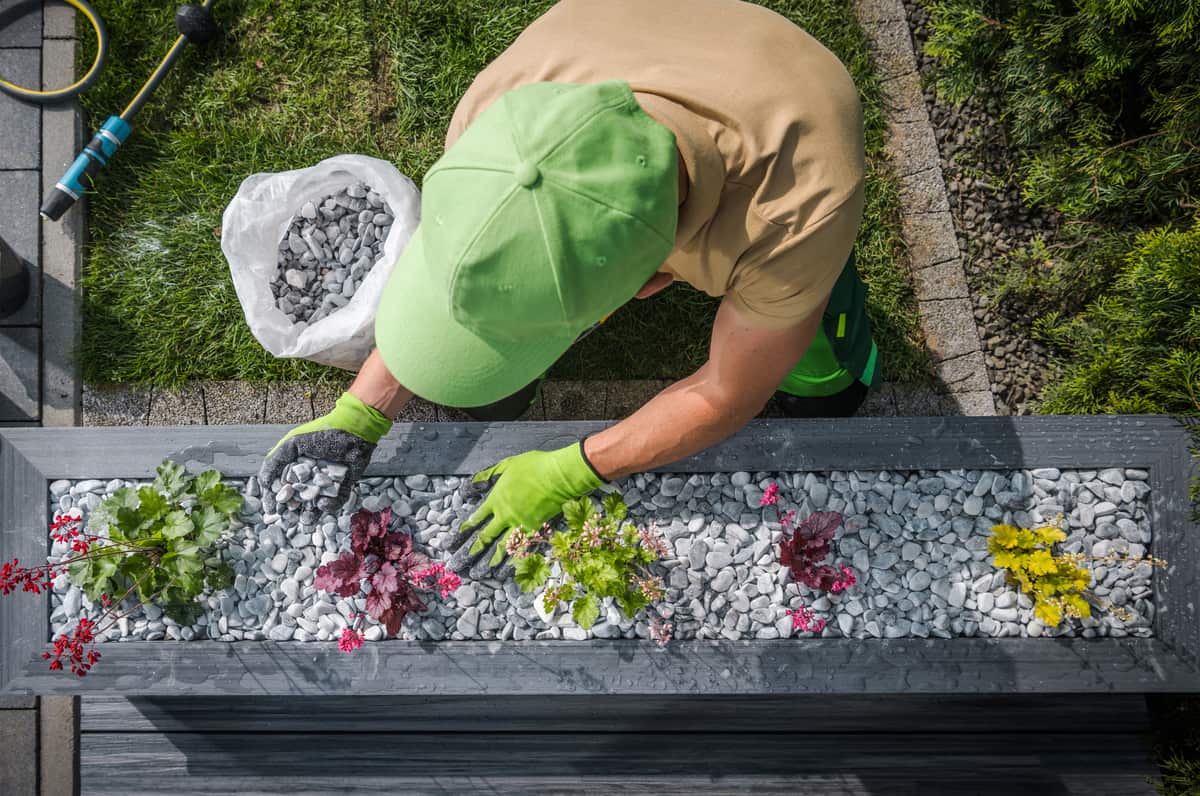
[[347, 436], [530, 489]]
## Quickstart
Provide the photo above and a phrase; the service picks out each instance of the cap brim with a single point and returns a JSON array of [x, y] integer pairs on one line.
[[434, 356]]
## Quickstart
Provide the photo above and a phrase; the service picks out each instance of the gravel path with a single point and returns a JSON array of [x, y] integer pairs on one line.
[[916, 540], [990, 221]]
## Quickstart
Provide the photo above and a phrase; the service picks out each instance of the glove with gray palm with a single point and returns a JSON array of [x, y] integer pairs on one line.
[[346, 436]]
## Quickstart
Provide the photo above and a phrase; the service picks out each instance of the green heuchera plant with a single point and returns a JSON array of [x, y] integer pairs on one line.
[[161, 541], [600, 556]]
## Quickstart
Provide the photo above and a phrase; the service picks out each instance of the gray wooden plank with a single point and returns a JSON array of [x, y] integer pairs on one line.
[[1092, 713], [553, 668], [794, 444], [1013, 762], [24, 535], [1176, 538]]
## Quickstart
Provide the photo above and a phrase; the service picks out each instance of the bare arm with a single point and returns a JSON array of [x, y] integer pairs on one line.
[[745, 365], [375, 387]]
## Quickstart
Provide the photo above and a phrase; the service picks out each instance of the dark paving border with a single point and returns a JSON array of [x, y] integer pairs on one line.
[[30, 458]]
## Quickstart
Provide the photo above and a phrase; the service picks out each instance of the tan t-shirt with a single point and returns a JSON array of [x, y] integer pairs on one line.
[[767, 120]]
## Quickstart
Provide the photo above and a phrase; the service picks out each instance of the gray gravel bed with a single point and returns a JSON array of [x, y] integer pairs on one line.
[[328, 250], [916, 540]]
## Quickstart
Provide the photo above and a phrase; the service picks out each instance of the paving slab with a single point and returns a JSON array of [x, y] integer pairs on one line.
[[451, 414], [115, 405], [183, 406], [626, 397], [911, 146], [17, 702], [903, 99], [879, 403], [916, 400], [289, 402], [325, 395], [58, 22], [890, 44], [418, 410], [62, 242], [20, 122], [978, 403], [234, 402], [942, 281], [876, 11], [924, 191], [18, 752], [967, 373], [19, 200], [949, 326], [575, 400], [19, 393], [930, 238], [58, 744], [20, 26]]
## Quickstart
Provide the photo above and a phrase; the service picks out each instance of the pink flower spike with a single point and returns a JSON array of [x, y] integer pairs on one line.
[[350, 640], [770, 496]]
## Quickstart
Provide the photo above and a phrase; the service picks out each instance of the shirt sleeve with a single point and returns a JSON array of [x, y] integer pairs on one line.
[[779, 285]]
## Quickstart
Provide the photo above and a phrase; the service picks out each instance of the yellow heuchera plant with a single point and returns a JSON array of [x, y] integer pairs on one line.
[[1054, 582]]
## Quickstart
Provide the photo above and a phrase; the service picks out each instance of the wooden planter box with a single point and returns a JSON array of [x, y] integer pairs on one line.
[[32, 458]]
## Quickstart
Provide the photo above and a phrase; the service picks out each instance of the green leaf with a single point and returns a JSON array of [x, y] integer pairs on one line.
[[151, 504], [176, 524], [576, 512], [209, 524], [531, 572], [171, 478], [129, 523], [219, 576], [206, 481], [615, 507], [80, 572], [224, 499], [585, 611]]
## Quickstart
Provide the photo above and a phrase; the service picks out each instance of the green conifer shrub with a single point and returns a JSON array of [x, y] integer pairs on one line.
[[1103, 95]]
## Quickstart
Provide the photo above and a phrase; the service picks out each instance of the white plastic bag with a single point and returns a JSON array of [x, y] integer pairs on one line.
[[258, 218]]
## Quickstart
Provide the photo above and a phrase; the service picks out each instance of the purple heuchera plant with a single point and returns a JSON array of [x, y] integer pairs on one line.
[[808, 546], [387, 561]]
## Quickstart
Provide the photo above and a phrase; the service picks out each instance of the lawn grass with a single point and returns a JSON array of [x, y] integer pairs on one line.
[[287, 85]]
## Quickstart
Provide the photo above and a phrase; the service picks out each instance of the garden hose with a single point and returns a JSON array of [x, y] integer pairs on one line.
[[195, 24], [83, 83]]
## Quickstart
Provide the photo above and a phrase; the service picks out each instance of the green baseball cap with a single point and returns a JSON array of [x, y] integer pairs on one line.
[[548, 213]]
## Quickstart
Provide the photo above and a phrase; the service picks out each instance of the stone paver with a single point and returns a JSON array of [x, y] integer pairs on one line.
[[574, 400], [913, 400], [418, 410], [19, 121], [19, 228], [930, 238], [178, 407], [58, 741], [234, 402], [18, 752], [911, 146], [879, 403], [890, 44], [942, 281], [289, 402], [923, 191], [962, 374], [978, 402], [903, 100], [62, 241], [626, 397], [115, 405], [949, 326], [58, 22], [19, 392], [325, 395], [20, 26]]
